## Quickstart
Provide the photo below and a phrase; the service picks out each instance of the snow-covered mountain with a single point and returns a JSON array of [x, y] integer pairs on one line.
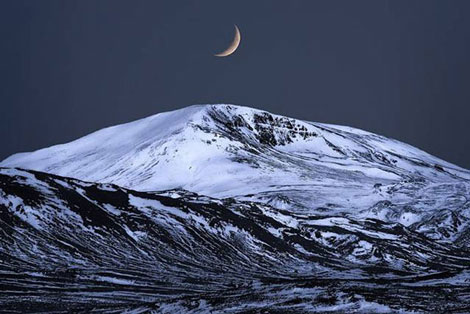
[[233, 146], [229, 208], [232, 151]]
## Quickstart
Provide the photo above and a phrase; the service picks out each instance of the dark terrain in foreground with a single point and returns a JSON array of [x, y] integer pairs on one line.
[[69, 245]]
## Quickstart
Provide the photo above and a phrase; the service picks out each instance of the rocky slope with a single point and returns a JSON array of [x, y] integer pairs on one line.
[[67, 245]]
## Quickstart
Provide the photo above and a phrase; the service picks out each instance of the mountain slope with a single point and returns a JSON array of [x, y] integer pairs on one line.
[[67, 245]]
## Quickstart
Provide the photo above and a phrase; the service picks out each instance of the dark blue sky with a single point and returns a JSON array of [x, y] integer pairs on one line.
[[397, 68]]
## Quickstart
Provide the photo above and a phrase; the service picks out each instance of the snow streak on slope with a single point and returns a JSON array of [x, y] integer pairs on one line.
[[69, 245]]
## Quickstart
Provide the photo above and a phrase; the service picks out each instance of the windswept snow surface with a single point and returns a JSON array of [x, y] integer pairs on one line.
[[229, 208]]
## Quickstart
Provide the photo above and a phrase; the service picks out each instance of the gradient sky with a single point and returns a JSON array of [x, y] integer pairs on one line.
[[396, 68]]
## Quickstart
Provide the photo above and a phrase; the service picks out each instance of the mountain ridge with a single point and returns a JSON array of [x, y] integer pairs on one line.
[[201, 112]]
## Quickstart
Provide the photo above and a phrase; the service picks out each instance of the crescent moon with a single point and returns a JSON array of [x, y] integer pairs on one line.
[[233, 46]]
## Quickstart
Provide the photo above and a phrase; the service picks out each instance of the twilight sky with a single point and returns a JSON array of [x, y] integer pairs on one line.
[[396, 68]]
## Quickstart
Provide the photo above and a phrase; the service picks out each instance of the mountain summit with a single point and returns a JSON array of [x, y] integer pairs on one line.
[[229, 142]]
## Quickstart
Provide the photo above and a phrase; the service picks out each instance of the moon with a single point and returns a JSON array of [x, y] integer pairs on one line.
[[233, 46]]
